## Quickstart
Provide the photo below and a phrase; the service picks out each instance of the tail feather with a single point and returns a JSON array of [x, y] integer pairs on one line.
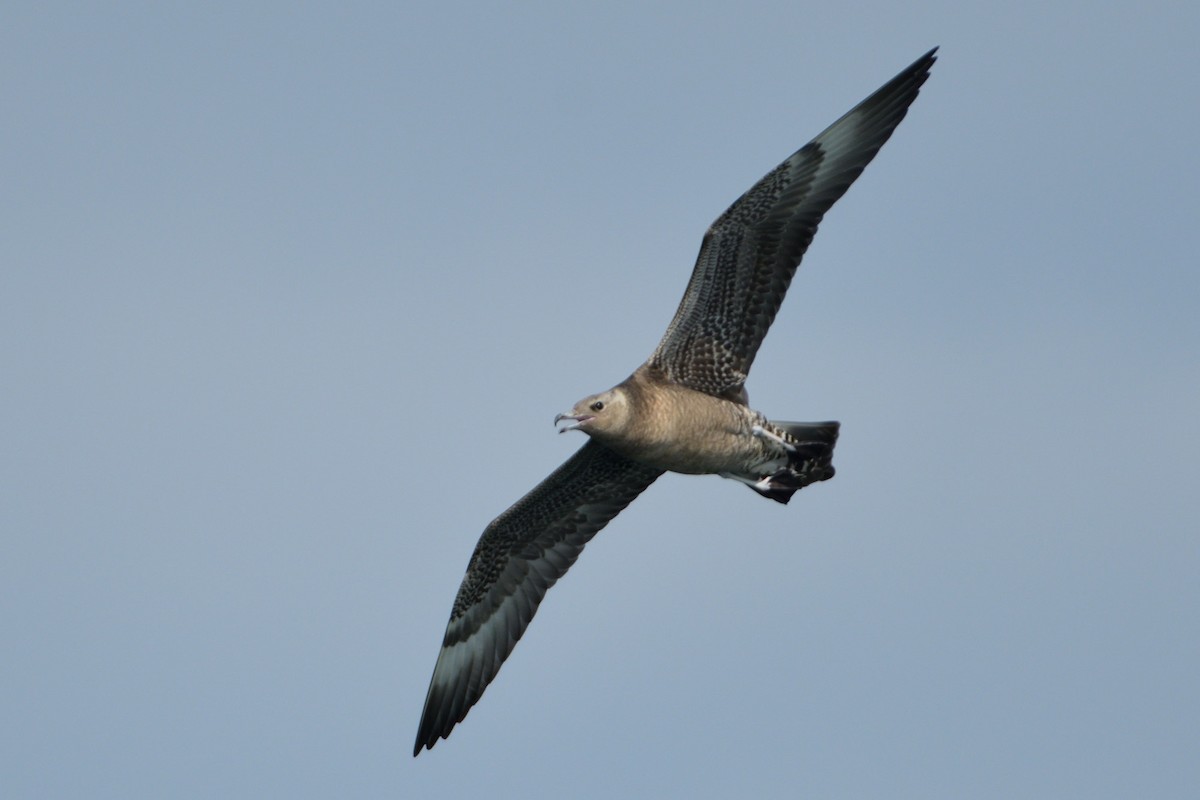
[[811, 432], [811, 461]]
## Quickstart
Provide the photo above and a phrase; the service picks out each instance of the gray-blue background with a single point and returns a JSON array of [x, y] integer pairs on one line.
[[289, 295]]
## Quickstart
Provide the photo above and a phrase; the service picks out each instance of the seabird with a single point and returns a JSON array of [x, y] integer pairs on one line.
[[684, 410]]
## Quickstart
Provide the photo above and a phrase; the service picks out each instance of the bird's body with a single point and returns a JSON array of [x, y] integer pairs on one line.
[[678, 429], [673, 428], [684, 410]]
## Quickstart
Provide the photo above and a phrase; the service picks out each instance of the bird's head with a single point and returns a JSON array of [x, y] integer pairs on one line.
[[600, 415]]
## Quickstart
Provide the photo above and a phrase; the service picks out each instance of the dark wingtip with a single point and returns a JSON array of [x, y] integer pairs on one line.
[[916, 72], [436, 721], [428, 731], [423, 740], [426, 738]]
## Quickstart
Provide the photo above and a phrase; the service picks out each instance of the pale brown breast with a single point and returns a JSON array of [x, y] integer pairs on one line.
[[682, 430]]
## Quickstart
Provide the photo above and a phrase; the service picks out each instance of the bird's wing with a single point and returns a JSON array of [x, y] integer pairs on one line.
[[521, 555], [749, 255]]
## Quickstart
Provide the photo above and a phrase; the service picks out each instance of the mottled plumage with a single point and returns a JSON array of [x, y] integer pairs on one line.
[[684, 410], [520, 555]]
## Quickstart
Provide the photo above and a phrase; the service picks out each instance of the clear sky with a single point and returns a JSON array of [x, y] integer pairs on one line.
[[290, 294]]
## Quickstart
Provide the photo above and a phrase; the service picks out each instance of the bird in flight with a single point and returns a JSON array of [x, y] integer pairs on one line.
[[684, 410]]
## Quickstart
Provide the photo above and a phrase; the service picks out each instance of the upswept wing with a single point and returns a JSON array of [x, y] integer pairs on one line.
[[749, 255], [520, 555]]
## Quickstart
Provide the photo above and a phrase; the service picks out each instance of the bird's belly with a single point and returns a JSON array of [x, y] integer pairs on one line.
[[700, 452]]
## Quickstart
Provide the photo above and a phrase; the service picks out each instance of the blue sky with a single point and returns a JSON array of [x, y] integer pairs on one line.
[[290, 295]]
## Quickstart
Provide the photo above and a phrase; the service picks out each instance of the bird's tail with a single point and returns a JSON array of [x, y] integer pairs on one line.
[[811, 459]]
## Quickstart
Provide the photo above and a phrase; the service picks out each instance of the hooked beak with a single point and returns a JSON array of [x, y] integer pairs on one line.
[[576, 422]]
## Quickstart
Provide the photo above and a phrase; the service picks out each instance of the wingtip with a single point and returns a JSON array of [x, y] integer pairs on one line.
[[923, 64], [930, 58], [426, 739], [430, 731], [422, 742]]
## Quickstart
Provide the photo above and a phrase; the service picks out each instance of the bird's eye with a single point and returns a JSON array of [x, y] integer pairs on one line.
[[597, 406]]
